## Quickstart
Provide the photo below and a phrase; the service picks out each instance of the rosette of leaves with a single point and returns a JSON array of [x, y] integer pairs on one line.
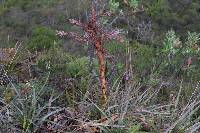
[[192, 46], [171, 43]]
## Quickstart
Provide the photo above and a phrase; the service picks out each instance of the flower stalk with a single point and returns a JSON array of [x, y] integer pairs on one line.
[[95, 35]]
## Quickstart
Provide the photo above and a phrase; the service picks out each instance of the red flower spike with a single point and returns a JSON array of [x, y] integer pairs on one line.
[[95, 34]]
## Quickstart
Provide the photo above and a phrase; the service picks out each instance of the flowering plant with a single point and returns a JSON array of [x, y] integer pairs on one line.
[[95, 35]]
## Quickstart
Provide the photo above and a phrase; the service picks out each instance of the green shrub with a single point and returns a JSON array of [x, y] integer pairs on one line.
[[56, 59], [61, 62], [25, 5], [156, 8], [78, 67], [177, 53], [42, 39], [114, 5], [6, 5], [144, 57], [114, 47]]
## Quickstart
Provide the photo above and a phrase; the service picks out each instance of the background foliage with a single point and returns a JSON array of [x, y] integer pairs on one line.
[[153, 77]]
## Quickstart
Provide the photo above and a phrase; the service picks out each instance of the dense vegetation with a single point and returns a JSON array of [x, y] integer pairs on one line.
[[51, 84]]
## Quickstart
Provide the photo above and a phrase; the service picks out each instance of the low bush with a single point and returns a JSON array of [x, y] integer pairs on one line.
[[42, 38]]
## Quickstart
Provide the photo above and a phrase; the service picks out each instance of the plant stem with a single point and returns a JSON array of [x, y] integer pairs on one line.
[[102, 69]]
